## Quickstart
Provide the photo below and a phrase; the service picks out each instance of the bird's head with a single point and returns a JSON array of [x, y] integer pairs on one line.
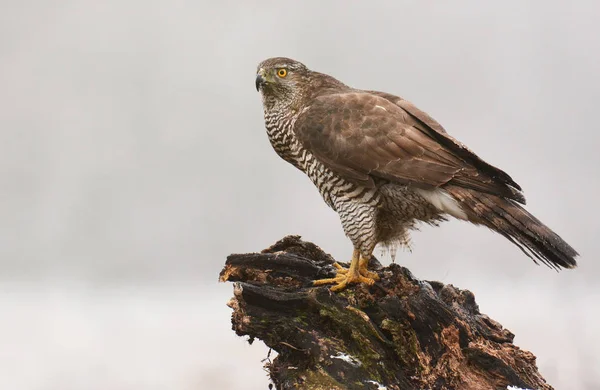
[[282, 81]]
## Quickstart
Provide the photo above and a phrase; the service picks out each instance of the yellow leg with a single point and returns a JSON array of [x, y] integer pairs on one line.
[[362, 267], [340, 269], [357, 273], [363, 263]]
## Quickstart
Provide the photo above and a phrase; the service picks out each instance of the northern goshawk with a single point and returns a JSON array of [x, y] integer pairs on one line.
[[383, 165]]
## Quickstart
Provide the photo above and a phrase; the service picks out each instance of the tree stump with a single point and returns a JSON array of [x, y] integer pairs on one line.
[[399, 334]]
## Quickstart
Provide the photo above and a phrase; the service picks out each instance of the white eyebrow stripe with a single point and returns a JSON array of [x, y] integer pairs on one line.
[[383, 108]]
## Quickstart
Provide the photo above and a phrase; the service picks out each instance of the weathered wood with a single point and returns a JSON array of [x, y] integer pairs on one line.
[[401, 333]]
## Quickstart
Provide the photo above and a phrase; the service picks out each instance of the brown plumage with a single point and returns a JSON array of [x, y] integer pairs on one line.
[[515, 223], [363, 134], [384, 165]]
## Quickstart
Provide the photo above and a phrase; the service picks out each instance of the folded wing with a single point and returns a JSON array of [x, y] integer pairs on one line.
[[364, 135]]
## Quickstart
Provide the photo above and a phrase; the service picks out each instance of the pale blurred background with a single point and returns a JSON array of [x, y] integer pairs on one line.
[[133, 160]]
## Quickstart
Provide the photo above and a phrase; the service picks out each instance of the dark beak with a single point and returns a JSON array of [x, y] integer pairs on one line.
[[259, 81]]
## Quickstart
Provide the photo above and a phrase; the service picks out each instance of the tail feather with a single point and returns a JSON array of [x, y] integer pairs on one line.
[[509, 219]]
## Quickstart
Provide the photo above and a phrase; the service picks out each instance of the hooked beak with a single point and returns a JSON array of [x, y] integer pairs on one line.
[[260, 80]]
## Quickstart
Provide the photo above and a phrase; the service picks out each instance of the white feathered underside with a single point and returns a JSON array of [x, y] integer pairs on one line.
[[443, 201]]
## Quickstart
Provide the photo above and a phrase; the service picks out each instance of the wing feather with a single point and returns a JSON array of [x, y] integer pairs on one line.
[[367, 135]]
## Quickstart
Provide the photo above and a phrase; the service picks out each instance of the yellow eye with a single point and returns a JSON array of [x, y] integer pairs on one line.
[[282, 73]]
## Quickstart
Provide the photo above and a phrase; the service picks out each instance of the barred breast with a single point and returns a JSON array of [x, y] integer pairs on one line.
[[332, 187], [368, 215]]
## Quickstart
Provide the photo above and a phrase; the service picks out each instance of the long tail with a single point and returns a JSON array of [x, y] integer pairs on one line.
[[515, 223]]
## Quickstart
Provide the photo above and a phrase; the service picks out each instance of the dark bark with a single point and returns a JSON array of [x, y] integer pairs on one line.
[[401, 333]]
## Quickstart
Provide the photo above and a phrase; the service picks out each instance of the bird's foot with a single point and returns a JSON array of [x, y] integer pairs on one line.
[[369, 274], [362, 269], [342, 280], [357, 273]]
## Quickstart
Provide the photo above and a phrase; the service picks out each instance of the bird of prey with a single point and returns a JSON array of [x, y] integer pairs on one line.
[[383, 165]]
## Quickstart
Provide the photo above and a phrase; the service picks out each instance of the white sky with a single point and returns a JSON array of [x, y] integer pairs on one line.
[[133, 158]]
